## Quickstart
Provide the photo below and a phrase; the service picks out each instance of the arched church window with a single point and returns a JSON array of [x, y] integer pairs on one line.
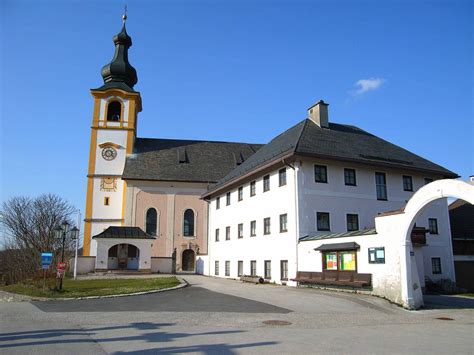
[[151, 221], [188, 225], [114, 110]]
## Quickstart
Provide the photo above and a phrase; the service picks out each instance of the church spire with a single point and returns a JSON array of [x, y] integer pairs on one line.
[[119, 73]]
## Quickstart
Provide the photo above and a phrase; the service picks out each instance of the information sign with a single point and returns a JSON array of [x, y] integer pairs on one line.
[[46, 259]]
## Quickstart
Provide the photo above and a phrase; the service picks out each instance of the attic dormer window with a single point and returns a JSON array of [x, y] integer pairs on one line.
[[182, 156], [113, 111]]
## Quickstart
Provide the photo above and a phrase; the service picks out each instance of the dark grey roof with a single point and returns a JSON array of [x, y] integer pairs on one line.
[[119, 73], [185, 160], [340, 142], [338, 246], [123, 232], [360, 233]]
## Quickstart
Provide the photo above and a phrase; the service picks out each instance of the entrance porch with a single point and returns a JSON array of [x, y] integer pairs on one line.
[[123, 248]]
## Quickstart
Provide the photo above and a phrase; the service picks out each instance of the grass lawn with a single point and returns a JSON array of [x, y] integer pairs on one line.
[[467, 294], [83, 288]]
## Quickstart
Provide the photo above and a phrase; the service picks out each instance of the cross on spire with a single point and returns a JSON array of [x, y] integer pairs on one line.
[[124, 16]]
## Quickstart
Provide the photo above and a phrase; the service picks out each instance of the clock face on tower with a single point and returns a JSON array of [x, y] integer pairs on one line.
[[109, 153]]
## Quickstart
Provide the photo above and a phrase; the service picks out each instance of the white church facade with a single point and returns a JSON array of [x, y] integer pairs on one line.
[[306, 202]]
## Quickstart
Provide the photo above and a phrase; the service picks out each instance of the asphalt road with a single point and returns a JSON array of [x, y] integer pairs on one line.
[[228, 317]]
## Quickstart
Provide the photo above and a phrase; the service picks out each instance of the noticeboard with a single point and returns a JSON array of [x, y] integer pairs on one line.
[[46, 259]]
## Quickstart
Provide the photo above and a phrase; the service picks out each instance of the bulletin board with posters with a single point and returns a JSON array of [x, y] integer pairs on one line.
[[340, 260]]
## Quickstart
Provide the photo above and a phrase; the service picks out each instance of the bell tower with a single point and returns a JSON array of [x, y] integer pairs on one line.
[[113, 132]]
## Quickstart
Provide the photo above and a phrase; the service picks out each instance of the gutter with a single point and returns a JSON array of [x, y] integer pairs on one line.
[[248, 174]]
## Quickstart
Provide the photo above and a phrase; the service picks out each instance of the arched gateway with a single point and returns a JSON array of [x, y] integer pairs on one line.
[[403, 222]]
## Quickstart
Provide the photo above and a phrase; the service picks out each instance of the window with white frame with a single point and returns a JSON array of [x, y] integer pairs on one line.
[[253, 268], [253, 228], [266, 225], [216, 268], [320, 173], [227, 233], [227, 268], [284, 269], [381, 186], [283, 223], [266, 183], [268, 269], [350, 177], [407, 183], [240, 230], [217, 234], [352, 221], [436, 265], [282, 177], [252, 188], [218, 203], [323, 223], [240, 193], [240, 268], [433, 225], [227, 199]]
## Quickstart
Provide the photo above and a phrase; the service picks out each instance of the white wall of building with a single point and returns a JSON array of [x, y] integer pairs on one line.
[[275, 246]]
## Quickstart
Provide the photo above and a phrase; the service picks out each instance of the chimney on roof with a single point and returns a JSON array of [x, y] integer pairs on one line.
[[318, 113]]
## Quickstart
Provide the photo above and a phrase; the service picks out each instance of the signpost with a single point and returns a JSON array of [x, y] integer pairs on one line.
[[46, 259]]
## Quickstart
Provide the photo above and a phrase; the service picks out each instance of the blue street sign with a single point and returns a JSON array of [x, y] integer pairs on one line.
[[46, 259]]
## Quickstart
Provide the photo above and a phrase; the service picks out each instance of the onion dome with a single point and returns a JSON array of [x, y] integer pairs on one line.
[[119, 73]]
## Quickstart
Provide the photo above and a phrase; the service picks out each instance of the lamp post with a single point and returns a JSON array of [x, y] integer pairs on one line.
[[76, 237], [61, 232]]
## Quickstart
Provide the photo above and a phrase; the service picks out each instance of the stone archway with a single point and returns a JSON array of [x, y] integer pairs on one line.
[[188, 260], [411, 295]]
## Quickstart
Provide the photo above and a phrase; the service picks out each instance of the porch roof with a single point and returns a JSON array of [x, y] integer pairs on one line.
[[338, 246], [321, 236], [123, 233]]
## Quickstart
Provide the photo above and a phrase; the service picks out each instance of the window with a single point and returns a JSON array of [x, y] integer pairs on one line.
[[218, 203], [227, 268], [436, 265], [266, 225], [216, 268], [106, 201], [227, 199], [433, 225], [268, 269], [320, 173], [253, 228], [284, 269], [253, 268], [240, 268], [227, 233], [240, 230], [283, 222], [266, 183], [323, 221], [241, 193], [340, 260], [114, 109], [352, 222], [151, 221], [217, 234], [282, 177], [252, 188], [377, 255], [381, 186], [428, 180], [350, 177], [407, 183], [188, 225]]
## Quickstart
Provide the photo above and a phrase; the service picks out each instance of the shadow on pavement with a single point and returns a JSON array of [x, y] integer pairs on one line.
[[447, 302], [45, 337]]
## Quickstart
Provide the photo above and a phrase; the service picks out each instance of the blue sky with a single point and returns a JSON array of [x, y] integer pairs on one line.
[[232, 70]]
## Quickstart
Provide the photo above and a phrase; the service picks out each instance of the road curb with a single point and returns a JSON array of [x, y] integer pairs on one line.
[[182, 283]]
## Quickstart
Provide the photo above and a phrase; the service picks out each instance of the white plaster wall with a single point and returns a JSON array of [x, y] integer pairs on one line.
[[385, 277], [338, 199], [114, 209], [103, 246], [115, 166], [161, 265], [96, 228], [274, 247]]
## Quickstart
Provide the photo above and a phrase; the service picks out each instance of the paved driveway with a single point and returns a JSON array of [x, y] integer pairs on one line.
[[225, 316]]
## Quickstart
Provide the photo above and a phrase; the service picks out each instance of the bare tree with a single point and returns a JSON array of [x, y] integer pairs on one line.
[[29, 225]]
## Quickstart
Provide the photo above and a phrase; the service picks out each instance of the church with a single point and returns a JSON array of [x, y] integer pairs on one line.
[[308, 200]]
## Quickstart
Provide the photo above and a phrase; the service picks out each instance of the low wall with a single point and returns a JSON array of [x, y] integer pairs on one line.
[[161, 265], [85, 264]]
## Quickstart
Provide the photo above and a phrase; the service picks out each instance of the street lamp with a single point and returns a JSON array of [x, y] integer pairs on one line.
[[61, 232]]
